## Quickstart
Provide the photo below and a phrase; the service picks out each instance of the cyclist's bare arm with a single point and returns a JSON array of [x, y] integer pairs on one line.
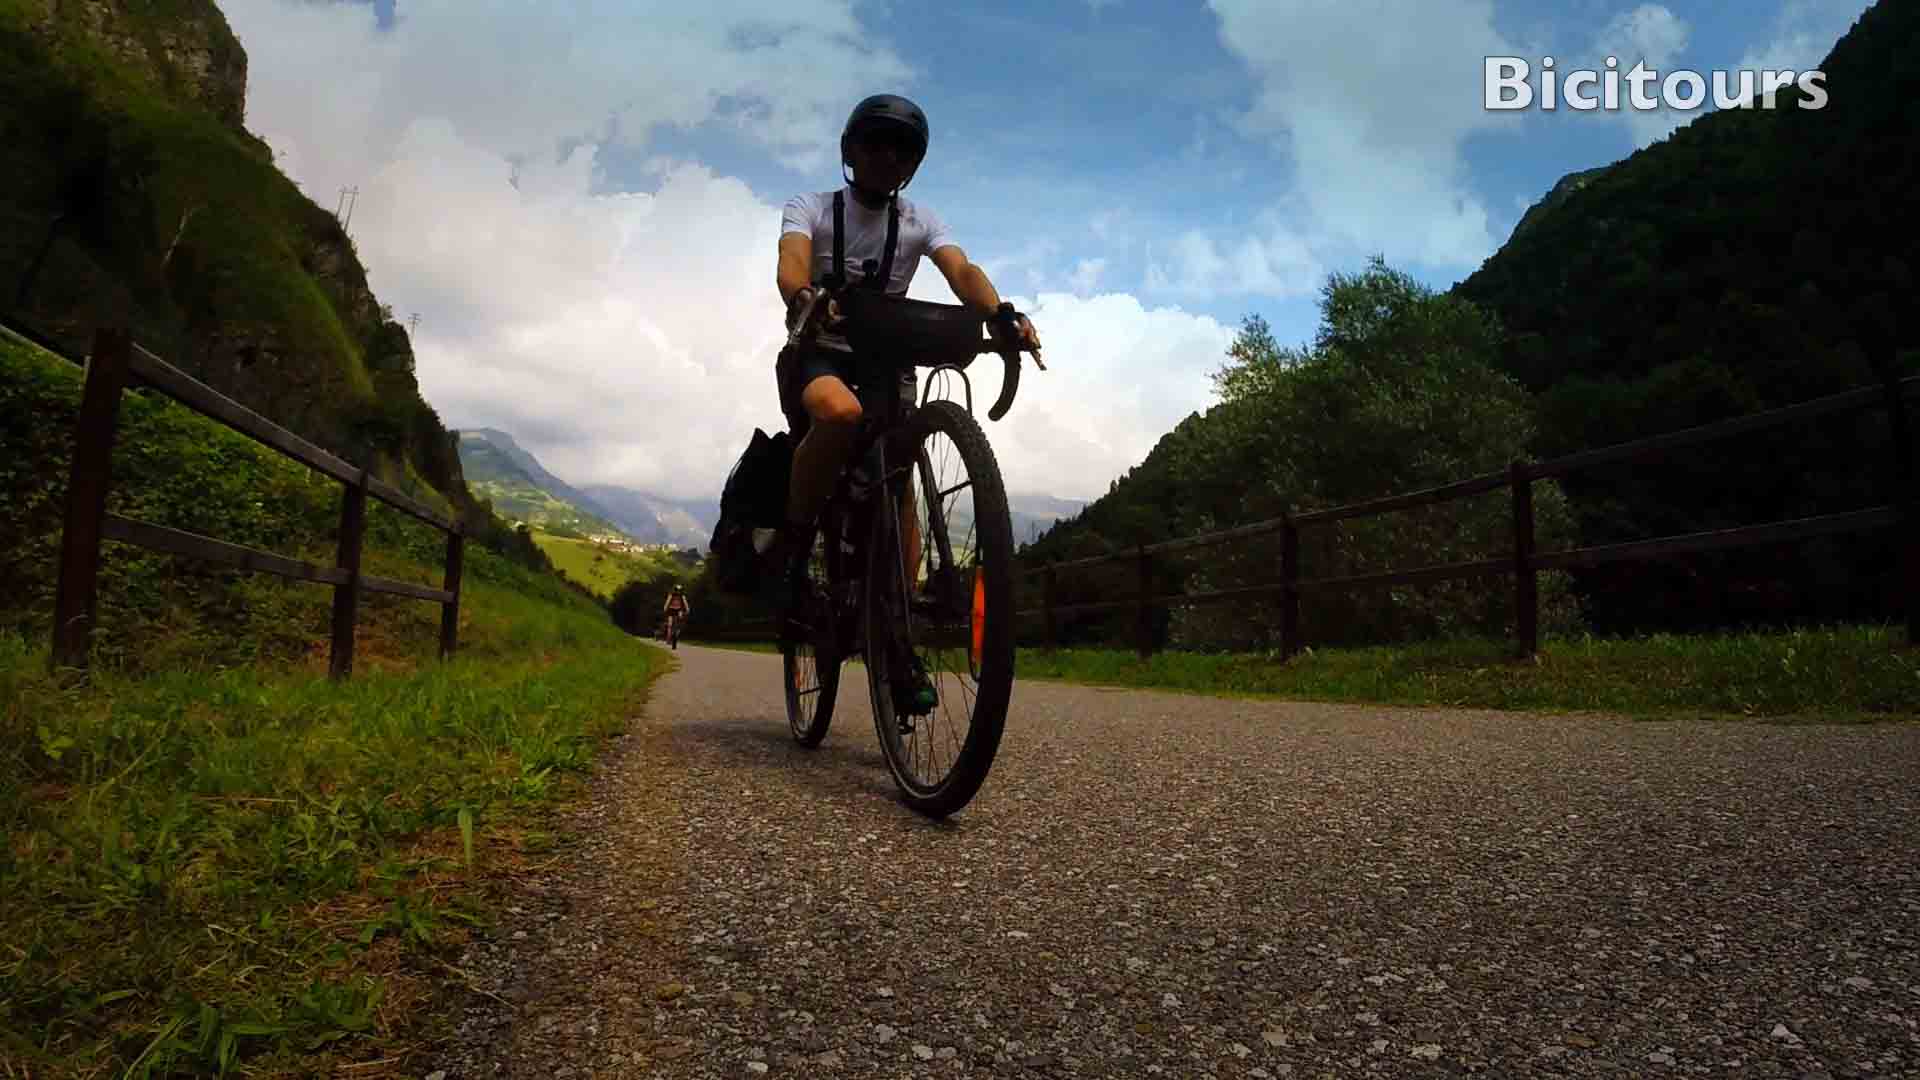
[[967, 280], [971, 285], [796, 265]]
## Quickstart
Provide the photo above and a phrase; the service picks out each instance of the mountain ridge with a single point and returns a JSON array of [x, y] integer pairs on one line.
[[648, 517]]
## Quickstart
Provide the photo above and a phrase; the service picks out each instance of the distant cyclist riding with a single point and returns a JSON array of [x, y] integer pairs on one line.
[[932, 567], [676, 609]]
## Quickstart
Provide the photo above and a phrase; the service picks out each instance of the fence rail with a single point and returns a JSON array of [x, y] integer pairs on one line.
[[1523, 562], [117, 362]]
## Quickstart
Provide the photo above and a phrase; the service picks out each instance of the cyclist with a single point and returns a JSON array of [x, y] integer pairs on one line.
[[678, 608], [883, 142]]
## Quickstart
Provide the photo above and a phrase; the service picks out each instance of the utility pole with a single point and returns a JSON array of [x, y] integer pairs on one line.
[[413, 325], [348, 196]]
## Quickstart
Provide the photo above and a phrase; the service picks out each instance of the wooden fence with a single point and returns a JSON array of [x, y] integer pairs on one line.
[[1523, 562], [115, 362]]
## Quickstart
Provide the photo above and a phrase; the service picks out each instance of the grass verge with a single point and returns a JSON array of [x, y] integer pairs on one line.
[[1847, 674], [1850, 674], [207, 871]]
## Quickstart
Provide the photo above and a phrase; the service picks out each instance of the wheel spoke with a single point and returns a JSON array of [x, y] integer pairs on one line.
[[961, 520]]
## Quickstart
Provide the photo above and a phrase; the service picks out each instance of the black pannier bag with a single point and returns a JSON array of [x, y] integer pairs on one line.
[[755, 497]]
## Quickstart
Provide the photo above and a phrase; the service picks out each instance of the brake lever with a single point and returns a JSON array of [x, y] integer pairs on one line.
[[803, 329], [1018, 346]]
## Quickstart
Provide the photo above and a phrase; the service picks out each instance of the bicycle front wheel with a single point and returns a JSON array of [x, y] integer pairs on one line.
[[939, 611]]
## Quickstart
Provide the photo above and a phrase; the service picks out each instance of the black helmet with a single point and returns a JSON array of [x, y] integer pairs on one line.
[[884, 109]]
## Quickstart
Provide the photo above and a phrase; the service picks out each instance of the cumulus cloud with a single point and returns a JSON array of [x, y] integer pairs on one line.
[[1802, 35], [1373, 112], [515, 78], [1086, 275], [1653, 35], [1273, 260], [625, 330], [1119, 376]]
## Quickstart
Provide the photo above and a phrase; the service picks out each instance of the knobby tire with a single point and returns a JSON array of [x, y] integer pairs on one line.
[[885, 623]]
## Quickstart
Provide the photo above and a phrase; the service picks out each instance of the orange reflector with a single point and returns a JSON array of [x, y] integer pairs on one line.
[[979, 614]]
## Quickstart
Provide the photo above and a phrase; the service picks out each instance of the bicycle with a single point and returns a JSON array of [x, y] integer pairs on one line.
[[857, 600], [673, 632]]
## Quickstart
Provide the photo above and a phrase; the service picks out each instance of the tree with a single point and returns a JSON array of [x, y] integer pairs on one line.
[[1255, 361], [1396, 393]]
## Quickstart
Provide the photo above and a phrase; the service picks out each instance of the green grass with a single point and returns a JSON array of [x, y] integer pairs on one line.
[[1853, 674], [209, 853], [264, 865], [1849, 674]]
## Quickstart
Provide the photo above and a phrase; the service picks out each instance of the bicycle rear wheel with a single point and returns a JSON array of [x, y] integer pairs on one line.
[[810, 652], [943, 606]]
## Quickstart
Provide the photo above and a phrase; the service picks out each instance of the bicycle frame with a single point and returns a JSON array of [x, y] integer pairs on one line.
[[886, 412]]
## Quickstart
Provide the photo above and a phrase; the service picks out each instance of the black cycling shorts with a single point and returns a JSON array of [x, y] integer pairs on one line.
[[795, 369], [798, 367]]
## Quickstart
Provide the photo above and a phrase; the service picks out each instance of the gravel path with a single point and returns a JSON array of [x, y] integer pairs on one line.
[[1159, 884]]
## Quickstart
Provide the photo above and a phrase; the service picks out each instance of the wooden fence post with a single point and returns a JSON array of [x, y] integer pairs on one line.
[[346, 595], [1046, 594], [1526, 582], [1143, 627], [450, 611], [1906, 499], [75, 605], [1290, 587]]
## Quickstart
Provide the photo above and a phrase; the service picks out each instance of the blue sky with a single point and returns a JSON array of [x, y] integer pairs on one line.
[[1043, 113], [582, 199]]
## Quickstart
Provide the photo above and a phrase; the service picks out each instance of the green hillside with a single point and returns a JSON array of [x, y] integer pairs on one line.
[[522, 501], [1754, 259], [500, 476], [604, 570], [130, 193]]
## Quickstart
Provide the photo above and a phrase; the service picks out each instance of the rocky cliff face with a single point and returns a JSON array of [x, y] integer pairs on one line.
[[183, 230], [185, 46]]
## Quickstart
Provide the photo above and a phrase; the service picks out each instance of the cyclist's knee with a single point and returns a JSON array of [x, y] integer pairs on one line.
[[829, 403], [838, 411]]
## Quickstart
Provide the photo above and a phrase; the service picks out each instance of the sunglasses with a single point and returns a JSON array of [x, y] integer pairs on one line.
[[888, 137]]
